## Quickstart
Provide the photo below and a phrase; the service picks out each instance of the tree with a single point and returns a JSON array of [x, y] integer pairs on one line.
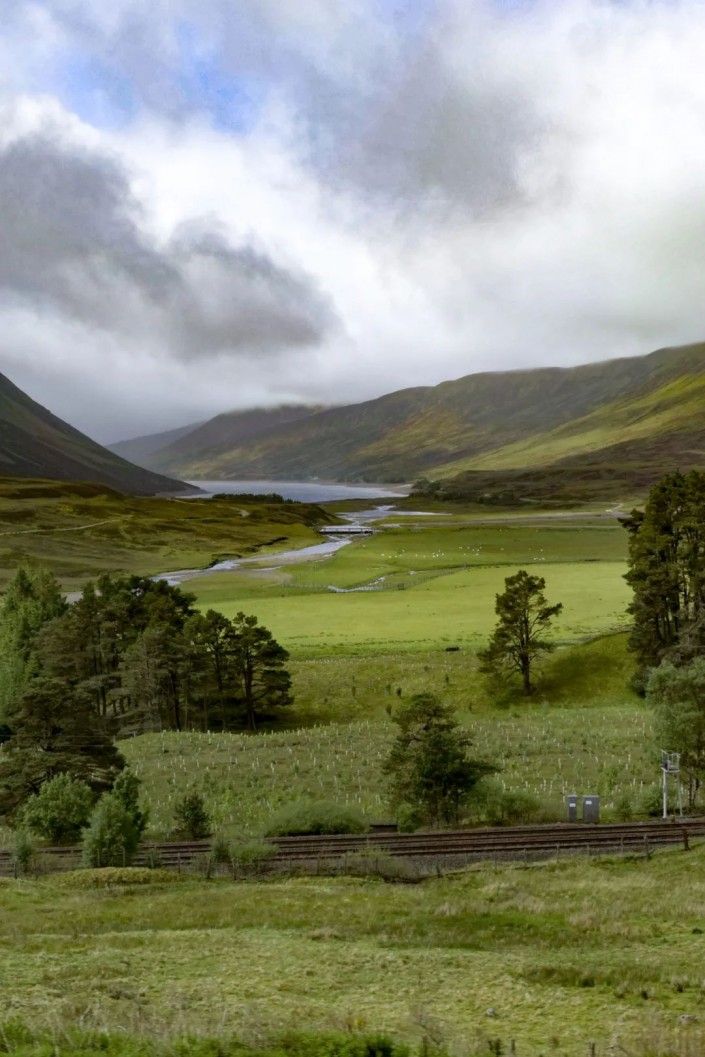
[[667, 572], [191, 817], [678, 698], [31, 600], [261, 680], [524, 617], [59, 810], [126, 789], [428, 765], [54, 733]]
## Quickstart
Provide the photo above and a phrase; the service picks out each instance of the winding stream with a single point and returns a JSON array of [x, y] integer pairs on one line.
[[316, 552]]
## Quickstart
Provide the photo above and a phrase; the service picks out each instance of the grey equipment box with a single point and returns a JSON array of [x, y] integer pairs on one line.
[[571, 808], [591, 809]]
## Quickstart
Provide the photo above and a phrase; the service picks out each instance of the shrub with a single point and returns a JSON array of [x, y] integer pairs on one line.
[[408, 818], [506, 807], [23, 852], [191, 817], [60, 810], [623, 808], [251, 858], [112, 837], [651, 801], [308, 818], [221, 851]]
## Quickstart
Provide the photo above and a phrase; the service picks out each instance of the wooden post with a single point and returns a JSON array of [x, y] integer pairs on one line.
[[686, 843], [647, 849]]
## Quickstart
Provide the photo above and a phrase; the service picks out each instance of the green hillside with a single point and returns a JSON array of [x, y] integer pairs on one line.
[[202, 446], [622, 414], [36, 444]]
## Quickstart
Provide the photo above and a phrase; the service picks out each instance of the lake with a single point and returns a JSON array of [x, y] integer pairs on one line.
[[302, 491]]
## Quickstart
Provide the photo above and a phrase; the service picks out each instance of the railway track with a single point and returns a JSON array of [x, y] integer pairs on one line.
[[448, 846]]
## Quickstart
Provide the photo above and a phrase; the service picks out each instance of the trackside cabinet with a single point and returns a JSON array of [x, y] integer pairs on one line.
[[571, 808], [591, 809]]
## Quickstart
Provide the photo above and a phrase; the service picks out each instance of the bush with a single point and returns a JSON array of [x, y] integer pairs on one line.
[[251, 858], [310, 818], [651, 801], [408, 818], [624, 808], [23, 852], [506, 807], [221, 851], [112, 837], [60, 810], [191, 817]]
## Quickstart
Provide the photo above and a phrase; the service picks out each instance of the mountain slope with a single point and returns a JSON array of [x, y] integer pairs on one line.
[[139, 448], [202, 445], [35, 443], [489, 423]]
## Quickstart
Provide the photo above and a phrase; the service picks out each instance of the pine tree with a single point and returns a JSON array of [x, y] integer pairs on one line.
[[262, 682], [667, 572], [54, 733], [32, 599], [429, 767], [524, 617]]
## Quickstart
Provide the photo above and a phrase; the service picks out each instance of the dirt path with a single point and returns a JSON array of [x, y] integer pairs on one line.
[[76, 528]]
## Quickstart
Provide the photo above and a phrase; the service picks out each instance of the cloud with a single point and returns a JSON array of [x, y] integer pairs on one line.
[[77, 243], [209, 205]]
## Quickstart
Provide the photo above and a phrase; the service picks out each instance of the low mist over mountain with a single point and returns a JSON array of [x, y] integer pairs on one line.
[[636, 415], [202, 446], [35, 443]]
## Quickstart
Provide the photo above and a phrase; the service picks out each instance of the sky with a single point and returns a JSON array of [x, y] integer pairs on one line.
[[218, 204]]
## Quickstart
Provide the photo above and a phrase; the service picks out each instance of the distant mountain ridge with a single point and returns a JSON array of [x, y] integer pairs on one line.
[[139, 448], [34, 443], [633, 413]]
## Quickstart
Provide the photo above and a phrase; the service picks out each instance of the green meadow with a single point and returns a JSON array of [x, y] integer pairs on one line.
[[561, 953], [422, 584], [81, 530], [551, 956]]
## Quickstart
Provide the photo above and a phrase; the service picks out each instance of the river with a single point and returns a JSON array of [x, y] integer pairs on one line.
[[315, 552]]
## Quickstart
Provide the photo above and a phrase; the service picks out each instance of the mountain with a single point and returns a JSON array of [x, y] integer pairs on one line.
[[139, 448], [631, 417], [201, 448], [34, 443]]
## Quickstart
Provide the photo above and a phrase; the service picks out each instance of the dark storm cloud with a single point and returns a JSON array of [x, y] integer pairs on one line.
[[240, 297], [73, 241]]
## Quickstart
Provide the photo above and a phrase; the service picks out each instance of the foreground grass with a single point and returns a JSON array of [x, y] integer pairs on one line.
[[562, 953]]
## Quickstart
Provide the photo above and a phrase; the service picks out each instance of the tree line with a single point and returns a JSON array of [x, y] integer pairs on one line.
[[131, 655], [666, 571]]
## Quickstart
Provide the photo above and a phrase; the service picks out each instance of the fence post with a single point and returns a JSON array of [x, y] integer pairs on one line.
[[686, 843]]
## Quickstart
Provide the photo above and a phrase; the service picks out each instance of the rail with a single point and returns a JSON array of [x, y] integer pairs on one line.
[[455, 847]]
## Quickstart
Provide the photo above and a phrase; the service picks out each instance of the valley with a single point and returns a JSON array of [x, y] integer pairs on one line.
[[369, 623]]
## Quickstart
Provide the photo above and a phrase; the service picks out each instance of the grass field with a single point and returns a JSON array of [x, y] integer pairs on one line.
[[560, 953], [434, 584], [585, 733], [80, 531]]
